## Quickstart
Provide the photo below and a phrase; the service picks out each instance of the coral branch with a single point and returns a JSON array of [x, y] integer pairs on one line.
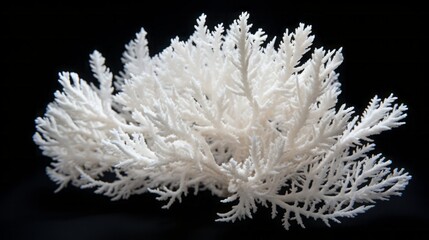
[[228, 112]]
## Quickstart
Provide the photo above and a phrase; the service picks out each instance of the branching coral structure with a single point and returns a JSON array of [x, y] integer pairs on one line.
[[227, 111]]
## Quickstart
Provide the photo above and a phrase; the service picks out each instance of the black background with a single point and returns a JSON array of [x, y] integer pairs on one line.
[[385, 48]]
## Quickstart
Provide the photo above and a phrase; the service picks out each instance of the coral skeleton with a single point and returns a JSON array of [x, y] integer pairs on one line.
[[254, 121]]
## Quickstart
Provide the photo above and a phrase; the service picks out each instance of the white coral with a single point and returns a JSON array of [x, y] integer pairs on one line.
[[227, 112]]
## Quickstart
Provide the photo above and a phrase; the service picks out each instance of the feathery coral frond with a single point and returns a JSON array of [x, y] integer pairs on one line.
[[228, 112]]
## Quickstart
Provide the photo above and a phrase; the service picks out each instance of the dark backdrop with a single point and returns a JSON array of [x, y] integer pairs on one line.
[[385, 50]]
